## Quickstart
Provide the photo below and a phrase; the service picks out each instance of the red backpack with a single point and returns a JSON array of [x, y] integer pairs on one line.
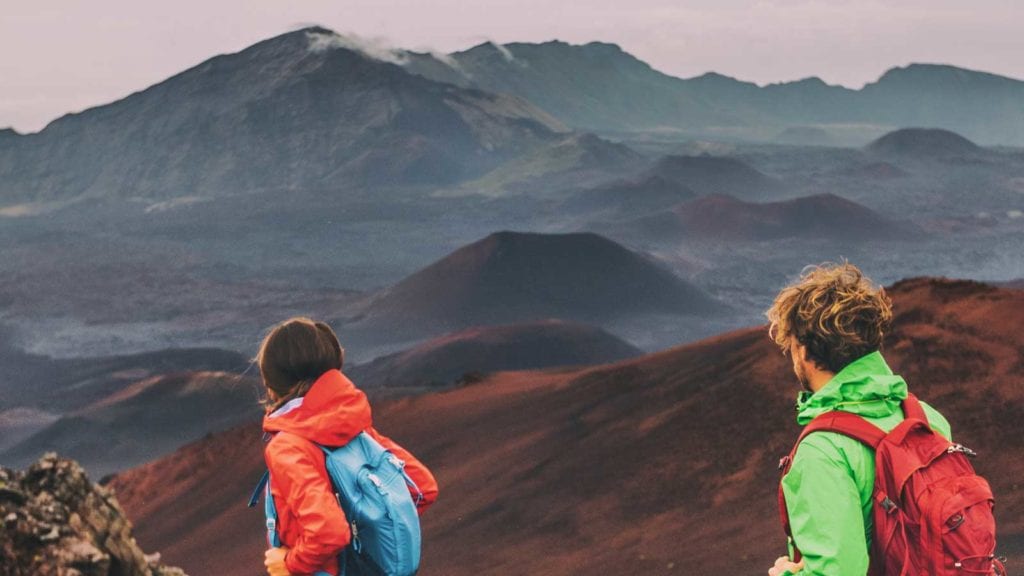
[[932, 513]]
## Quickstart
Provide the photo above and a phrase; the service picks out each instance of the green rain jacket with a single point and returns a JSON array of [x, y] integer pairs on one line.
[[829, 485]]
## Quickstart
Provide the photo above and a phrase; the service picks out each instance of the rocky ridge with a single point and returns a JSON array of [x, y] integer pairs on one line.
[[55, 521]]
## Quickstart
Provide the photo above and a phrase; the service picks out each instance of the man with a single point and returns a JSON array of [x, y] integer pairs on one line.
[[832, 322]]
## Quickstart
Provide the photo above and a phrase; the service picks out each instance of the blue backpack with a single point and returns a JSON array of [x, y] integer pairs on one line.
[[372, 488]]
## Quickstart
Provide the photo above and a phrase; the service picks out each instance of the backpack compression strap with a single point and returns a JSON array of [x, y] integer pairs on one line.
[[269, 509], [847, 424], [395, 461]]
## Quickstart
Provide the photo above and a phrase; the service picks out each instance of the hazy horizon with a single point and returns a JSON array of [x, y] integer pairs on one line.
[[91, 55]]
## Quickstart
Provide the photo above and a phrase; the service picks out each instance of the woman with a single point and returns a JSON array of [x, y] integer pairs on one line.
[[310, 402]]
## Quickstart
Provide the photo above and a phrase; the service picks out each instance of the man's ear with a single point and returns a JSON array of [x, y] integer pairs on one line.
[[799, 351]]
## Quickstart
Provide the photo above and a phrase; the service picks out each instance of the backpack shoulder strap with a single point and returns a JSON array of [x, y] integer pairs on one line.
[[258, 491], [840, 422], [844, 423], [847, 424], [912, 409], [264, 480]]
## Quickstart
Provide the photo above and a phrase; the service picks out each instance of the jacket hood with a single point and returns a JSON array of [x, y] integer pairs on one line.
[[331, 413], [865, 386]]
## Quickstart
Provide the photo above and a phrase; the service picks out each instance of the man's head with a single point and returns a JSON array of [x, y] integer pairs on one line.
[[828, 318]]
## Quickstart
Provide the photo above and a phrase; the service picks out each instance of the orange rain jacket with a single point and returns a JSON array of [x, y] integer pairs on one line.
[[310, 522]]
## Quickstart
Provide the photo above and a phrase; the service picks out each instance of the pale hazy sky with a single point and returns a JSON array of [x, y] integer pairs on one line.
[[65, 55]]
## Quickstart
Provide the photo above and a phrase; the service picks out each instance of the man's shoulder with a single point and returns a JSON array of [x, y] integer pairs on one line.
[[837, 447], [937, 421], [830, 447]]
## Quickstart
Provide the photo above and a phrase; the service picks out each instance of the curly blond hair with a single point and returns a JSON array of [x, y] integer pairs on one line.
[[834, 310]]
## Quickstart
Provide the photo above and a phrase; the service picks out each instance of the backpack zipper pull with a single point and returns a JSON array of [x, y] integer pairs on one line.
[[962, 449], [375, 480]]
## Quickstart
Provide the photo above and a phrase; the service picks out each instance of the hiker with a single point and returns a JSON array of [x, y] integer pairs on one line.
[[832, 322], [311, 403]]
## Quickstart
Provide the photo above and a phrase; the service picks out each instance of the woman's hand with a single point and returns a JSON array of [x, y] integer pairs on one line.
[[784, 565], [275, 562]]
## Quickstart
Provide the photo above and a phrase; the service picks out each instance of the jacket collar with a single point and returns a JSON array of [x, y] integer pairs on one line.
[[331, 413], [866, 386]]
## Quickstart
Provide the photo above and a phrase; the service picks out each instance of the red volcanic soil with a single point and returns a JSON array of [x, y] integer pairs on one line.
[[513, 277], [664, 463], [720, 217], [543, 344]]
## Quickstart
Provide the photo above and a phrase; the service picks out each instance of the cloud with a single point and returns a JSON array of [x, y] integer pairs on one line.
[[445, 58], [376, 48], [478, 39], [504, 51]]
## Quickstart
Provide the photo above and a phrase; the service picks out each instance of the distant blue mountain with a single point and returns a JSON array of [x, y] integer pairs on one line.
[[308, 109], [600, 87]]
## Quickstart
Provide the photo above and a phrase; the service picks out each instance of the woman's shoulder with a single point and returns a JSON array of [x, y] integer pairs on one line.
[[288, 445]]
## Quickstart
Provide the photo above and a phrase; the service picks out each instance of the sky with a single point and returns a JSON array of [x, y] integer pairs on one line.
[[62, 56]]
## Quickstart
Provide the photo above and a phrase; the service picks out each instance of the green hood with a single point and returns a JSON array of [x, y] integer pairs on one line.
[[865, 386]]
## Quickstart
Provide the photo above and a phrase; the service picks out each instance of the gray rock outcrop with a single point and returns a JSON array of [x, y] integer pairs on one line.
[[55, 522]]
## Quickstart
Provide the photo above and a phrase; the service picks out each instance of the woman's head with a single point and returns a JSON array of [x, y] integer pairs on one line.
[[294, 354]]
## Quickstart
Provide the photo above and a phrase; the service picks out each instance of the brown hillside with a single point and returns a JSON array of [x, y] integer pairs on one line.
[[514, 277], [661, 464], [924, 144], [716, 175], [724, 218], [483, 349], [145, 419]]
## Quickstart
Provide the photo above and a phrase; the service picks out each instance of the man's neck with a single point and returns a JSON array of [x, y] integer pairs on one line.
[[817, 379]]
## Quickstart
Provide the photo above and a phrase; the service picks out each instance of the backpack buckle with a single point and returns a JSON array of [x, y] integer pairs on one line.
[[888, 505], [356, 545], [783, 462]]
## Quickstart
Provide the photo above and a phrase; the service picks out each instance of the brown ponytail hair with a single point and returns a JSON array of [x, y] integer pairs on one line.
[[293, 355]]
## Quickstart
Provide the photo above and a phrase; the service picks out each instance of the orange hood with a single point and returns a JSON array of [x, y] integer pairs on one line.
[[331, 413]]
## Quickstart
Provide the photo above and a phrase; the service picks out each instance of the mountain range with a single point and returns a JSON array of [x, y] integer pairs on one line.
[[600, 87], [311, 109], [297, 111]]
